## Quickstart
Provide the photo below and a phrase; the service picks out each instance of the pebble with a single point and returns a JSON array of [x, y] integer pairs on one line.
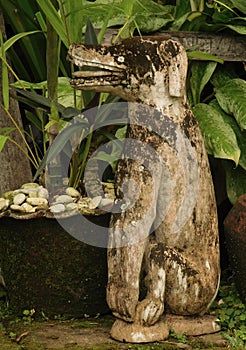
[[106, 202], [64, 198], [43, 193], [72, 192], [28, 208], [29, 185], [32, 197], [94, 203], [19, 198], [4, 203], [16, 207], [33, 194], [71, 206], [37, 201], [57, 208]]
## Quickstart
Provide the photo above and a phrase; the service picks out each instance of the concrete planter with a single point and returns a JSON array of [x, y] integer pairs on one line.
[[235, 234], [45, 268]]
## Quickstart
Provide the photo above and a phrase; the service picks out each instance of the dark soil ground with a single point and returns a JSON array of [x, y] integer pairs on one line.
[[91, 333]]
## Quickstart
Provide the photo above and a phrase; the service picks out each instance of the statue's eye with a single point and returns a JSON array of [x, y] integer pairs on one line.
[[121, 59]]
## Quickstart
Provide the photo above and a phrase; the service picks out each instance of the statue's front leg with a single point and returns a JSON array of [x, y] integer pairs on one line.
[[128, 235], [150, 309], [124, 268]]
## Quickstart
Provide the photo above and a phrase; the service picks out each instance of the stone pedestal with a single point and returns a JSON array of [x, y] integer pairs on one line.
[[189, 325]]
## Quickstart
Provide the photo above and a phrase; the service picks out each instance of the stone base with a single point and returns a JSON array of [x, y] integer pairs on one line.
[[136, 333], [192, 325]]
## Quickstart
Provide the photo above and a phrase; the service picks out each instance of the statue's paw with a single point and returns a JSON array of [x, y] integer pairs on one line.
[[149, 311], [123, 302]]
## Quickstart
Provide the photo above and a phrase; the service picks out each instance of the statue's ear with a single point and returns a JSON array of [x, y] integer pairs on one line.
[[176, 57]]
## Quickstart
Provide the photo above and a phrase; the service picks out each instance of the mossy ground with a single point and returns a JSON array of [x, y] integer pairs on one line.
[[85, 334]]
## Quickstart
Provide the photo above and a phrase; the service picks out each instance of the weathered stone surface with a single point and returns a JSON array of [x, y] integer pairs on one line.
[[136, 333], [192, 325]]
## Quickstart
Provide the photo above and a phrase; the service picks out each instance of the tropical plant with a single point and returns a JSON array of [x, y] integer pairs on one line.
[[69, 19], [221, 115]]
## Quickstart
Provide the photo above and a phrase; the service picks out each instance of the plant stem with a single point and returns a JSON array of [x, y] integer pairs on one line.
[[24, 152], [34, 161]]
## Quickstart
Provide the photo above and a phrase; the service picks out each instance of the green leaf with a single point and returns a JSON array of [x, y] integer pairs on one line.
[[3, 139], [5, 78], [90, 35], [221, 76], [239, 29], [53, 17], [232, 99], [127, 6], [182, 11], [38, 101], [201, 72], [235, 181], [240, 5], [29, 85], [219, 138], [240, 134], [7, 130], [60, 141], [150, 23], [203, 56], [8, 43]]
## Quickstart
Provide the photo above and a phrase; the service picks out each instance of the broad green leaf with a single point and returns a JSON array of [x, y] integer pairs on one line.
[[239, 29], [221, 76], [235, 182], [151, 23], [232, 99], [219, 138], [240, 134], [182, 11], [3, 139], [201, 72], [127, 6], [240, 5], [203, 56]]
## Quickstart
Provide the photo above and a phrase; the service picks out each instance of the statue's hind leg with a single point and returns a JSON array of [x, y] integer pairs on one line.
[[181, 289], [187, 288]]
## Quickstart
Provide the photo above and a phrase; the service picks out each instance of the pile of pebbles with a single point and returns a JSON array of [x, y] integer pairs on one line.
[[32, 197]]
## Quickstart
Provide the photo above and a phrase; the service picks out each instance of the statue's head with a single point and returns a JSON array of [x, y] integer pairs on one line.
[[135, 69]]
